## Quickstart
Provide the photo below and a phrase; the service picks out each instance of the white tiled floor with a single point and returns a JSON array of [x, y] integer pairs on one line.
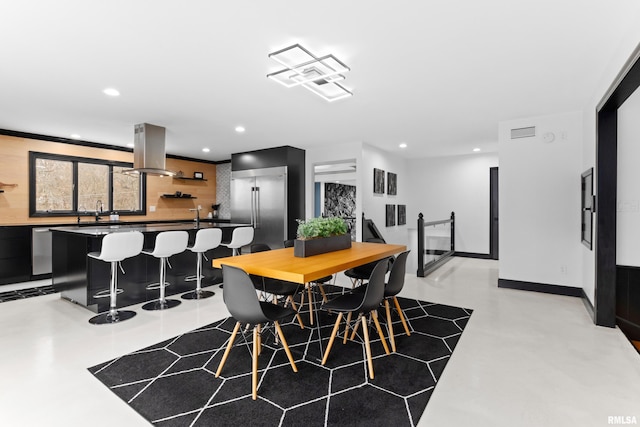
[[525, 359]]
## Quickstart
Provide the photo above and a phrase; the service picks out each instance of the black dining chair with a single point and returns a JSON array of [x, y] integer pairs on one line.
[[275, 287], [359, 274], [241, 300], [391, 289], [364, 304]]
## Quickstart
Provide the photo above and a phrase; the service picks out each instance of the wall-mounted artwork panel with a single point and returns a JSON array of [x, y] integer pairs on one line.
[[391, 215], [378, 181], [392, 184], [402, 214]]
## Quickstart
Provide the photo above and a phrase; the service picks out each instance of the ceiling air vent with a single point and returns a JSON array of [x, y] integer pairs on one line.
[[523, 132]]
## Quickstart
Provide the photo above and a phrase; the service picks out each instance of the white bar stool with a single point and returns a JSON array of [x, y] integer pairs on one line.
[[167, 243], [115, 248], [206, 239], [241, 236]]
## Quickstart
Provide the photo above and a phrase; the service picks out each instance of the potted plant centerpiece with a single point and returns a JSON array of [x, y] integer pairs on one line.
[[321, 235]]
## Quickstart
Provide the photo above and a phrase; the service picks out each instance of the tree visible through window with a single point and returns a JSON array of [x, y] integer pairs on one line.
[[63, 185]]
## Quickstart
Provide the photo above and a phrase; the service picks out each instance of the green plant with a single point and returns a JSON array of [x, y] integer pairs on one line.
[[321, 227]]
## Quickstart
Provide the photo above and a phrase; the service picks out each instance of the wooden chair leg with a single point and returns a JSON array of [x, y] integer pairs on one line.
[[367, 345], [401, 314], [346, 328], [355, 327], [324, 295], [228, 349], [374, 314], [285, 346], [333, 336], [254, 367], [293, 305], [390, 325], [258, 326], [310, 303]]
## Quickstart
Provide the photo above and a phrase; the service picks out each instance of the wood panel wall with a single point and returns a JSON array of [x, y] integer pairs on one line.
[[14, 169]]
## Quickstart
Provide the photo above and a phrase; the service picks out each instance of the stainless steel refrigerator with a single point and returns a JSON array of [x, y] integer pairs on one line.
[[259, 198]]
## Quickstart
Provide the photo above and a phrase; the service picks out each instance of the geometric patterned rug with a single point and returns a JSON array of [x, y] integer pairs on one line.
[[173, 382], [27, 293]]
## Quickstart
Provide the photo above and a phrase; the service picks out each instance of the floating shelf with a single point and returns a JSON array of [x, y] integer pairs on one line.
[[173, 196], [189, 179]]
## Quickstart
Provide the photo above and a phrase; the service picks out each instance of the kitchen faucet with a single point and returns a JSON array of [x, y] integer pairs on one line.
[[197, 218], [99, 207]]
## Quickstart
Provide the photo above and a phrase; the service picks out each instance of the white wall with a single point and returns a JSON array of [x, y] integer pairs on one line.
[[440, 185], [628, 215], [374, 205], [540, 201]]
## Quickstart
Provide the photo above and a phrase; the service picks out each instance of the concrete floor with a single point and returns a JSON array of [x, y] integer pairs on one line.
[[525, 358]]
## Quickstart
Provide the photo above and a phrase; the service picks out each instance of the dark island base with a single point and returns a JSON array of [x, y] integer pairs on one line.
[[79, 277]]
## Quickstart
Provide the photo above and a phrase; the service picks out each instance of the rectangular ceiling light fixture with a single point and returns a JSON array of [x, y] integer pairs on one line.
[[318, 74]]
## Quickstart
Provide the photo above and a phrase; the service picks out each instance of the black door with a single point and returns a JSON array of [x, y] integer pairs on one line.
[[493, 212]]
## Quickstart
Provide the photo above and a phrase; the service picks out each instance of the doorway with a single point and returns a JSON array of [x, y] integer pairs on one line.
[[493, 213], [335, 191]]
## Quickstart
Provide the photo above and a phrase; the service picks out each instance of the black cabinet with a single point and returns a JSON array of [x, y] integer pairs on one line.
[[15, 254], [628, 300]]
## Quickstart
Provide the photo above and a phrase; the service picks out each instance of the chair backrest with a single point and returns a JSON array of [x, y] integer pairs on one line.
[[240, 296], [259, 247], [289, 243], [374, 294], [396, 277], [170, 243], [121, 245], [241, 236], [206, 239]]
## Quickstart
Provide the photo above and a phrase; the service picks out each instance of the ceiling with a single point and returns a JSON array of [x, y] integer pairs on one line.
[[437, 75]]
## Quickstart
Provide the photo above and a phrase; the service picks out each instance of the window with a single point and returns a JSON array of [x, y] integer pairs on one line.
[[65, 186]]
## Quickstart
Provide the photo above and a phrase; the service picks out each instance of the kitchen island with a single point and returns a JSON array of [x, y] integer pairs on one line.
[[80, 277]]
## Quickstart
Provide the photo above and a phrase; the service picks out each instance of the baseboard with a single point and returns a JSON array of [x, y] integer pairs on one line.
[[540, 287], [588, 306], [472, 255]]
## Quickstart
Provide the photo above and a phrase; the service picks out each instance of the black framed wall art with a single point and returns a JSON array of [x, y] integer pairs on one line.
[[392, 184], [402, 214], [391, 215], [378, 181]]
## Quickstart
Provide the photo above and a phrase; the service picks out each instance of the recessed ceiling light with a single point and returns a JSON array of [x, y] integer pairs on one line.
[[130, 145], [206, 150], [475, 150], [403, 145], [240, 129], [111, 92], [75, 136]]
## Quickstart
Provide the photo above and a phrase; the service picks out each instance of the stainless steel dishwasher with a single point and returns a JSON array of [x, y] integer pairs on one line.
[[40, 251]]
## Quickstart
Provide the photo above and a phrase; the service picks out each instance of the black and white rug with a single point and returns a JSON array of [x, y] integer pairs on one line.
[[27, 293], [173, 382]]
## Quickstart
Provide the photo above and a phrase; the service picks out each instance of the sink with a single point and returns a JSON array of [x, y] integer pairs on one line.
[[98, 224]]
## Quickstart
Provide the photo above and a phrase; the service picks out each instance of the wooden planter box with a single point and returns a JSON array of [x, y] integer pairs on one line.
[[306, 248]]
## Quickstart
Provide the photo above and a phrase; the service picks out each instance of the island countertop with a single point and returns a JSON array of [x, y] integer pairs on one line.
[[106, 228]]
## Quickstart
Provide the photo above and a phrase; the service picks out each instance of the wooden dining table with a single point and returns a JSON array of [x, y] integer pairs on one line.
[[283, 265]]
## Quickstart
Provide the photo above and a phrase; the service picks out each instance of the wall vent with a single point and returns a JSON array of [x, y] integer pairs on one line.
[[527, 132]]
